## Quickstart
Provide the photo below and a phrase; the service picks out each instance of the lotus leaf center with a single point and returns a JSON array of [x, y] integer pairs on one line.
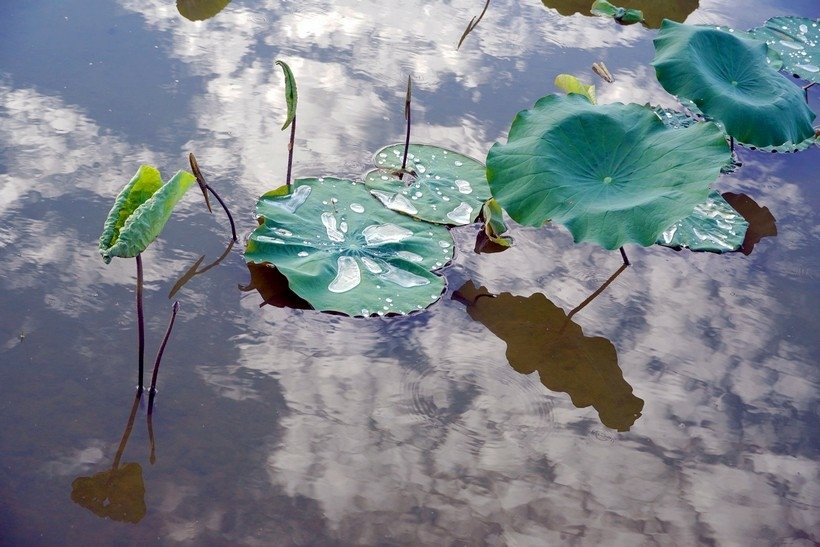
[[607, 180]]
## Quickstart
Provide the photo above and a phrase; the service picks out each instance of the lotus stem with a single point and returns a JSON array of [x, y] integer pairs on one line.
[[290, 150], [597, 293], [623, 255], [407, 134], [127, 432], [153, 389], [151, 444], [203, 184], [140, 326]]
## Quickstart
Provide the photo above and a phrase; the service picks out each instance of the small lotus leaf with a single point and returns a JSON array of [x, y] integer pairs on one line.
[[118, 494], [625, 16], [490, 238], [199, 10], [612, 174], [797, 40], [442, 186], [570, 84], [342, 251], [714, 226], [729, 79], [140, 212], [540, 337]]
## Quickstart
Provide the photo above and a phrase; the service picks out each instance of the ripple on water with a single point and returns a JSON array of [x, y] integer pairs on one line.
[[486, 404]]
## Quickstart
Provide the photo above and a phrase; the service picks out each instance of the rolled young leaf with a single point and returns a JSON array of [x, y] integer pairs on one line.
[[290, 93], [140, 212]]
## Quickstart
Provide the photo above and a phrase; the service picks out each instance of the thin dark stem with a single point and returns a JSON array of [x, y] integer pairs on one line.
[[225, 207], [140, 326], [290, 149], [407, 134], [153, 390], [203, 184], [732, 144], [601, 289], [806, 90], [152, 445], [127, 432], [623, 255]]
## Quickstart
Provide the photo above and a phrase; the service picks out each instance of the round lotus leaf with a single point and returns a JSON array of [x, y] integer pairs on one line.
[[729, 79], [714, 226], [140, 212], [797, 40], [612, 174], [442, 186], [342, 251]]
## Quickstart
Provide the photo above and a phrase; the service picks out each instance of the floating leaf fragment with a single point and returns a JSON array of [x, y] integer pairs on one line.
[[601, 70], [570, 84]]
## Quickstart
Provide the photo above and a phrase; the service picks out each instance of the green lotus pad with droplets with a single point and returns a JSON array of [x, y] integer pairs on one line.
[[441, 186], [612, 174], [342, 251], [797, 40], [140, 212], [730, 81], [714, 226]]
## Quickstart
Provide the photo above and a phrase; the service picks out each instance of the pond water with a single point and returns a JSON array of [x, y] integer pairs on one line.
[[698, 423]]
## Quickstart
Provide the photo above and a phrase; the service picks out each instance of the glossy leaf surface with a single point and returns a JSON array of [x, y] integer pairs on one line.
[[342, 251], [729, 80], [441, 186], [140, 212], [714, 226], [612, 174], [797, 40]]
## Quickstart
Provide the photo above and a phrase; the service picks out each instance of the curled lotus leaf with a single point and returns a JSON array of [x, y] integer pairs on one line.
[[199, 10], [342, 251], [439, 185], [797, 40], [612, 174], [729, 80], [140, 212], [570, 84], [714, 226]]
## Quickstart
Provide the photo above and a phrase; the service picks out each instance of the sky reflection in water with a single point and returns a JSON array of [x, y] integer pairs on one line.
[[274, 423]]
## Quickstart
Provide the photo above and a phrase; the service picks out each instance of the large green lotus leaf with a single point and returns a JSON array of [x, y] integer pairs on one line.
[[540, 337], [729, 79], [676, 119], [612, 174], [199, 10], [140, 212], [342, 251], [445, 187], [797, 40], [118, 494], [654, 11], [714, 226]]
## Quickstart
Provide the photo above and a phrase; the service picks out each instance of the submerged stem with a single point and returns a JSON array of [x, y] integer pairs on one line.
[[407, 135], [127, 432], [140, 326], [153, 390]]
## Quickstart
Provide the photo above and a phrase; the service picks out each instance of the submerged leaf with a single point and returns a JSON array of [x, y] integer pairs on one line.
[[714, 226], [541, 338], [612, 174], [449, 188], [290, 93], [570, 84], [729, 80], [118, 494], [140, 212], [342, 251], [797, 40], [199, 10]]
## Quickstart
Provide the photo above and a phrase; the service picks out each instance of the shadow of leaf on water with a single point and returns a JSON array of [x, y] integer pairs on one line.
[[761, 221], [654, 11], [117, 493], [273, 288], [541, 337]]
